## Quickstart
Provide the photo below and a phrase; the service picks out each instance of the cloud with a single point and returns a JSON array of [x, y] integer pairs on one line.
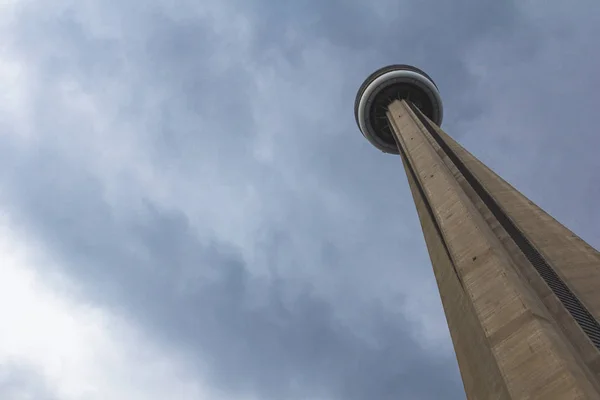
[[261, 334], [541, 101], [194, 170], [55, 345], [20, 383], [148, 213]]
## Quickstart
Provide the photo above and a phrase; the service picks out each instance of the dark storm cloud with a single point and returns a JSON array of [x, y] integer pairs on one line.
[[262, 335], [154, 54], [539, 132], [433, 35], [313, 304], [306, 150]]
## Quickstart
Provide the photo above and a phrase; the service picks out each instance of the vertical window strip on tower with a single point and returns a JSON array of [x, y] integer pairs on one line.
[[573, 305], [413, 174]]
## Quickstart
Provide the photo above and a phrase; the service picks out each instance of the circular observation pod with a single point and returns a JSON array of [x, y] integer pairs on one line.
[[381, 88]]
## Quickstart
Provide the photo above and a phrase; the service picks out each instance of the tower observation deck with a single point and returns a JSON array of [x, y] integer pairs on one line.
[[520, 291]]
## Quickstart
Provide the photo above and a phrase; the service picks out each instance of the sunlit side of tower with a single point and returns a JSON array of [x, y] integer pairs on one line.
[[520, 291]]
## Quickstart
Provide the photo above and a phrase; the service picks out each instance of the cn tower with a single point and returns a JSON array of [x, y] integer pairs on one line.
[[520, 291]]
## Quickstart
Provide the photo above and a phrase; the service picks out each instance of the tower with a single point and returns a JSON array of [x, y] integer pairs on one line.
[[520, 291]]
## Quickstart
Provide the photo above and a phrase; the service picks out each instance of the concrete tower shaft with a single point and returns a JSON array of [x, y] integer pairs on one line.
[[520, 291]]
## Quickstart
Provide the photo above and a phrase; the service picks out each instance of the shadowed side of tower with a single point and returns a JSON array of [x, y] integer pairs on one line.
[[519, 290]]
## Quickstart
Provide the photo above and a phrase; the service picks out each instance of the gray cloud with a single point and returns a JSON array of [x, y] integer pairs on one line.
[[264, 335], [272, 244], [23, 383]]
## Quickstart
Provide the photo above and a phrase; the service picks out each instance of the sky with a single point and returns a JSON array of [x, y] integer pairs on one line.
[[188, 210]]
